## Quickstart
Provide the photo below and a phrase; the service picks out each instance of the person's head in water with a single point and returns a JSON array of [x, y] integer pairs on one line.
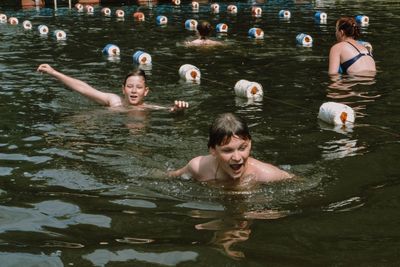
[[204, 28], [134, 87], [226, 126], [347, 27]]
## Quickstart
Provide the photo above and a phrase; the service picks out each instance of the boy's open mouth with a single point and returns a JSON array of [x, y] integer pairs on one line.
[[236, 167]]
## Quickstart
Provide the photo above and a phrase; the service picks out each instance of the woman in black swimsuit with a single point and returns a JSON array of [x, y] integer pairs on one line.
[[348, 56]]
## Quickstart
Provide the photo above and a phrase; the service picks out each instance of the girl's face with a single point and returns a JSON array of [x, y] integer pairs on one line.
[[232, 157], [135, 90]]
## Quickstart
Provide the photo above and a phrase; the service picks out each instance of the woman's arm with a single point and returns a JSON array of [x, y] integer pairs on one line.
[[334, 60], [83, 88]]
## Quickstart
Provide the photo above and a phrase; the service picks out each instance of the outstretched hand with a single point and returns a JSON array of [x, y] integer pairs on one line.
[[179, 106], [45, 68]]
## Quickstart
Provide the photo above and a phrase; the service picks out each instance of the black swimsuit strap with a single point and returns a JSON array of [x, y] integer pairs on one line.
[[354, 47]]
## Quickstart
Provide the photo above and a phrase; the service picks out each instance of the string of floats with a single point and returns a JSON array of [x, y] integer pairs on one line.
[[337, 114]]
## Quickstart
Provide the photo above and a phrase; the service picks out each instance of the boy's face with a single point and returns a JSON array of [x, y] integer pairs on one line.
[[135, 90], [232, 157]]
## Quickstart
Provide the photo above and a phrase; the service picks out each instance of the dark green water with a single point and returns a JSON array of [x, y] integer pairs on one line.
[[78, 183]]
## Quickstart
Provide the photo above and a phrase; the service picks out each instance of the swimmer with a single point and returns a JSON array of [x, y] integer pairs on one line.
[[203, 30], [229, 163], [134, 90], [348, 56]]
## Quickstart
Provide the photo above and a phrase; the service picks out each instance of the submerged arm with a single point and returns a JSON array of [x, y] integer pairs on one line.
[[81, 87]]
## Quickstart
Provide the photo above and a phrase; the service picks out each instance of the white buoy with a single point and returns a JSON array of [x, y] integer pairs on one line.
[[321, 16], [106, 11], [119, 13], [27, 25], [189, 72], [111, 50], [195, 6], [140, 57], [139, 16], [362, 20], [89, 9], [3, 18], [248, 89], [221, 28], [60, 35], [232, 9], [43, 29], [214, 8], [256, 11], [79, 7], [336, 113], [284, 14], [191, 24], [304, 39], [176, 2], [161, 20], [256, 33], [13, 20]]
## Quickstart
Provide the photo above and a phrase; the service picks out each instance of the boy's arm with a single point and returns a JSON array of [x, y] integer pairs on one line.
[[83, 88], [192, 169]]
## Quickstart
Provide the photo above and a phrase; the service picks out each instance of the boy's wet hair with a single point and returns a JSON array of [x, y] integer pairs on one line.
[[204, 28], [349, 26], [224, 127], [136, 72]]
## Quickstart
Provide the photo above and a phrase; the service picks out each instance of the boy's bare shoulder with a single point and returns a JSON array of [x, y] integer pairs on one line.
[[202, 167], [266, 172]]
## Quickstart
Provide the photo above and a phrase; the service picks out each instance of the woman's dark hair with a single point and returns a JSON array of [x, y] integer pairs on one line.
[[204, 29], [349, 26], [136, 72], [224, 127]]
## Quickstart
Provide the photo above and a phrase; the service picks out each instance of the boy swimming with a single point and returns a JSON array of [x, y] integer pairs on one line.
[[229, 163], [134, 90]]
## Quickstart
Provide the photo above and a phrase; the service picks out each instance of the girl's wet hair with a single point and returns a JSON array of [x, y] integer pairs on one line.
[[349, 26], [204, 29], [224, 127], [136, 72]]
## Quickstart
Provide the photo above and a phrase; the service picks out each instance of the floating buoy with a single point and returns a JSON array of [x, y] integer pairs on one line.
[[221, 28], [141, 57], [304, 39], [214, 8], [89, 9], [320, 16], [79, 7], [366, 45], [111, 50], [60, 35], [256, 33], [336, 113], [106, 11], [3, 18], [256, 11], [43, 29], [161, 20], [189, 72], [363, 20], [27, 25], [191, 24], [119, 13], [195, 5], [284, 14], [232, 9], [248, 89], [13, 20], [139, 16], [176, 2]]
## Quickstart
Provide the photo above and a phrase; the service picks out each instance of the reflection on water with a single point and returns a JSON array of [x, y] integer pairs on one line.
[[29, 260], [230, 231], [102, 257]]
